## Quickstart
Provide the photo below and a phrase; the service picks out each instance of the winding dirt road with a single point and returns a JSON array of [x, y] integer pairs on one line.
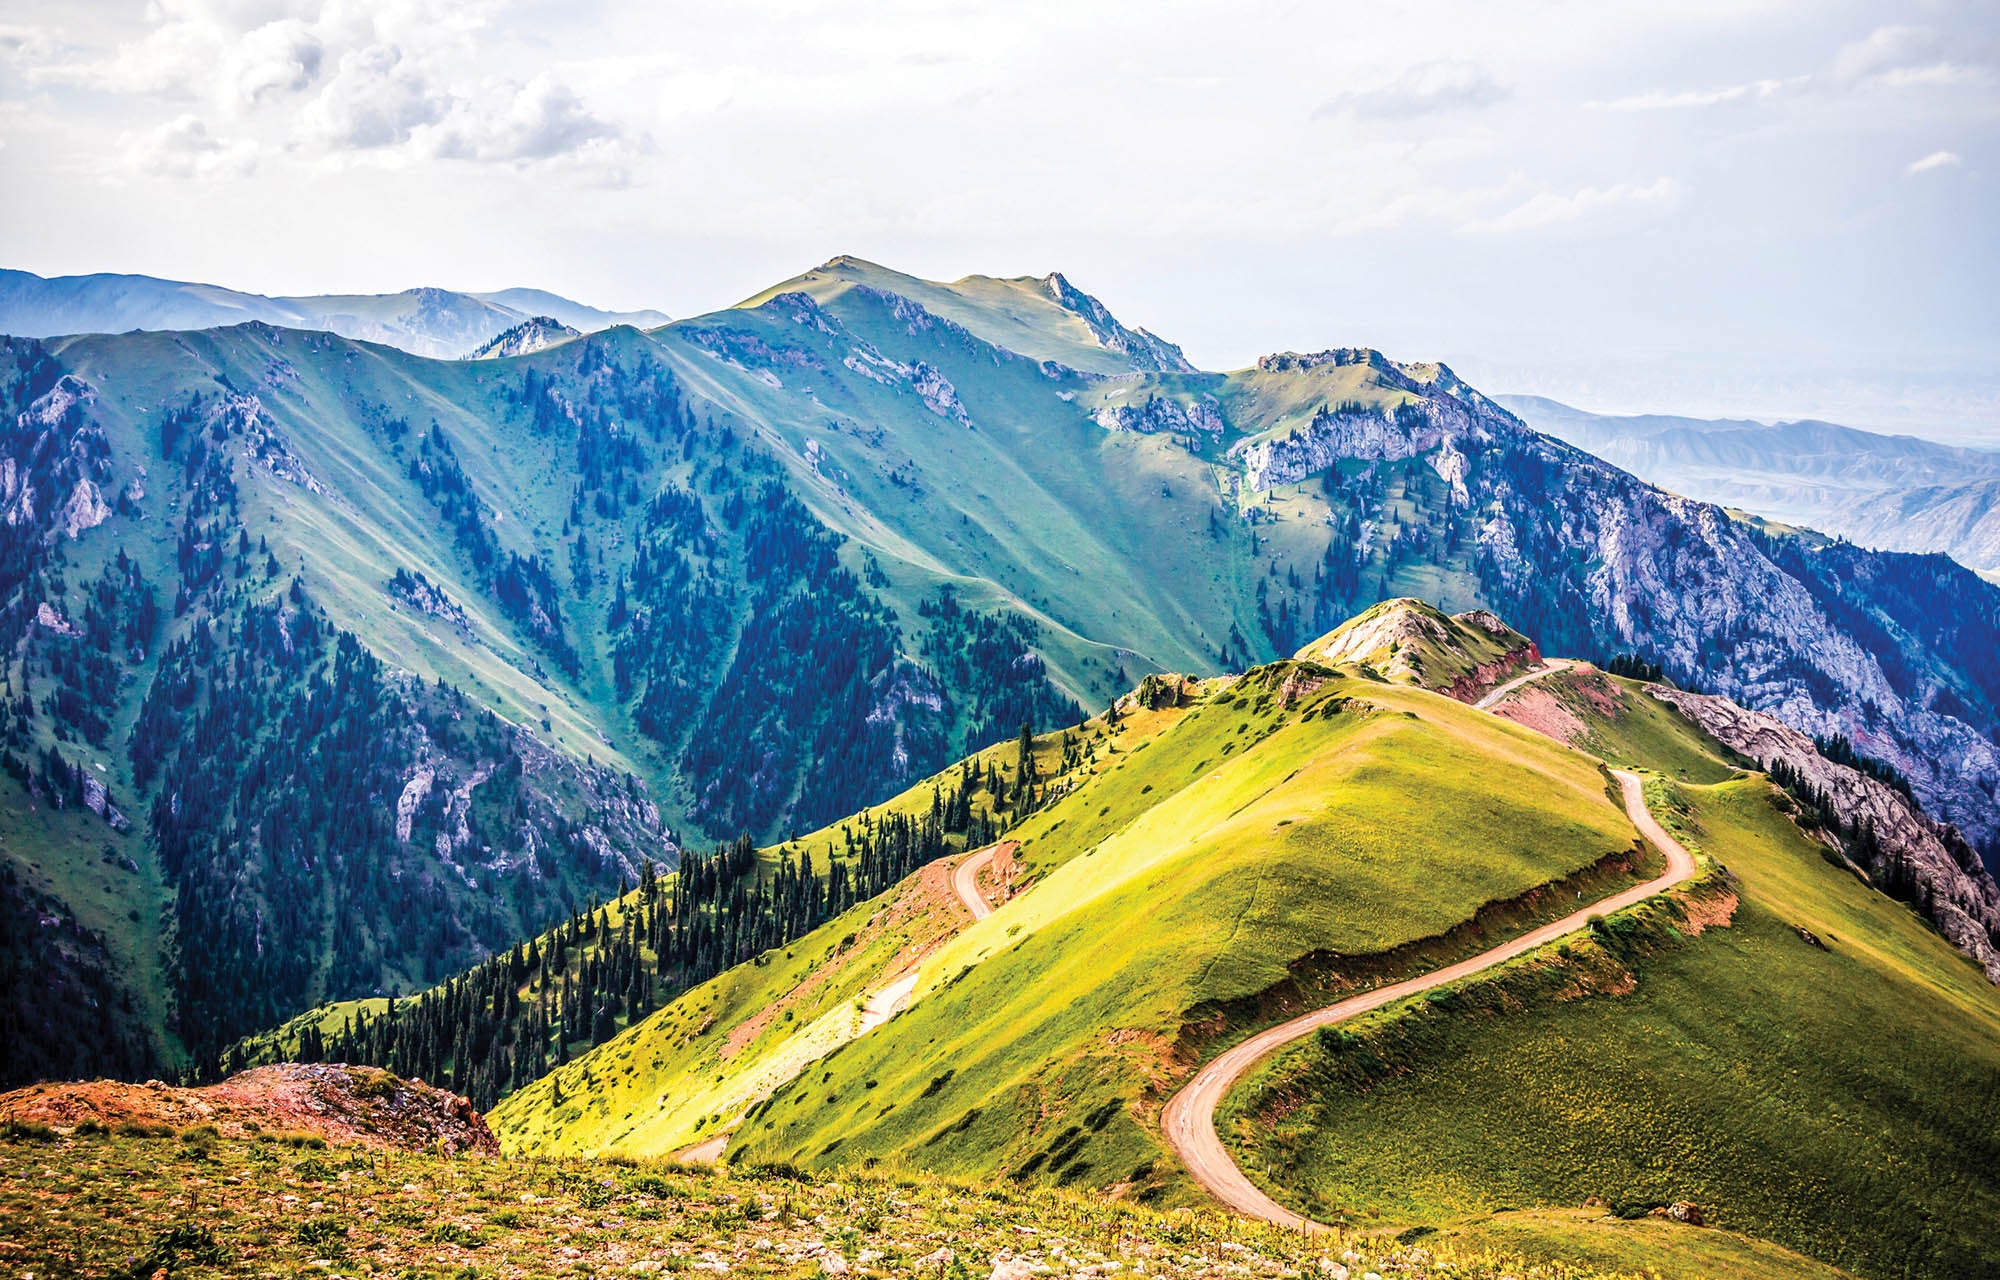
[[1549, 667], [877, 1007], [965, 882], [1189, 1118]]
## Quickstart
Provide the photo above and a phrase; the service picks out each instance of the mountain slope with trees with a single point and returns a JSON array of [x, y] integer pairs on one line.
[[745, 574]]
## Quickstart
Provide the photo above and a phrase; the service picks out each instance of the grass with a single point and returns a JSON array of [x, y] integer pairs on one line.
[[114, 1206], [1336, 832], [1617, 720], [1838, 1099]]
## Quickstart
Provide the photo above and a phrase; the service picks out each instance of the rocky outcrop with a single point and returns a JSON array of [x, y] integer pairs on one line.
[[1163, 414], [430, 599], [54, 464], [1828, 639], [1147, 352], [360, 1105], [1945, 876], [538, 333]]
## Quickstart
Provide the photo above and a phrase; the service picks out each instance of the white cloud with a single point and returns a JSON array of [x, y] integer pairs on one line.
[[377, 98], [1935, 160], [1421, 90], [184, 148], [277, 58], [1883, 49], [1662, 100], [1548, 208], [512, 122]]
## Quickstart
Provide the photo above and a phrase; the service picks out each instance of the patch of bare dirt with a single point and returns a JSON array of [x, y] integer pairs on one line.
[[1710, 911], [1534, 707], [929, 910], [341, 1104]]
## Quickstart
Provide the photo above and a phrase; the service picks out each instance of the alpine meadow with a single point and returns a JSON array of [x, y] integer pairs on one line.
[[929, 778]]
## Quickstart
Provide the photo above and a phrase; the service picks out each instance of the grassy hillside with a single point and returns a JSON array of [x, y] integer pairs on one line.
[[1410, 641], [1614, 719], [752, 570], [1814, 1067], [1247, 848]]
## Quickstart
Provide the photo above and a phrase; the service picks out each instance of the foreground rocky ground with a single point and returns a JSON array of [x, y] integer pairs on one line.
[[335, 1103], [197, 1205]]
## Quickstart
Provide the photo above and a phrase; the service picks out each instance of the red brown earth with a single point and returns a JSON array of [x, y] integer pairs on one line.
[[342, 1104]]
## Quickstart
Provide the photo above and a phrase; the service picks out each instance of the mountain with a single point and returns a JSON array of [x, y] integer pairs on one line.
[[1895, 492], [536, 334], [1212, 858], [335, 670], [431, 322]]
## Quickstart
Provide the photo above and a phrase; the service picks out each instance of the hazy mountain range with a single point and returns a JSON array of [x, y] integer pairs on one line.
[[1899, 493], [483, 637], [429, 322]]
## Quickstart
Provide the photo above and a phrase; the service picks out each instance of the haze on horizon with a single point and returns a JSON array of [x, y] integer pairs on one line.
[[1768, 208]]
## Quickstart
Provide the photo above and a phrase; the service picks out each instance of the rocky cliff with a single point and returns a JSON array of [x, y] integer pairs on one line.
[[1932, 862]]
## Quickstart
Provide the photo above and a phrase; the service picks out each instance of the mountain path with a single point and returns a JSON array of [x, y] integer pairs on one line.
[[877, 1007], [1188, 1121], [1549, 667]]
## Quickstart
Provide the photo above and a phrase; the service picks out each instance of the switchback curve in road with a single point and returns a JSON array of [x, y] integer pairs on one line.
[[1189, 1118], [965, 882]]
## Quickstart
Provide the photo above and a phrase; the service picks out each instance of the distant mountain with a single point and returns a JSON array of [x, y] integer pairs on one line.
[[1898, 493], [538, 334], [428, 322], [337, 668]]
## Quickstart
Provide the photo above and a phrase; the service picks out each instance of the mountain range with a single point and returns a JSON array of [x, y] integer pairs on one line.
[[892, 730], [429, 322], [1899, 493], [336, 668]]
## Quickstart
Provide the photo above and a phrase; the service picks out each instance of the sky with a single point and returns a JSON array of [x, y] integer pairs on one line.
[[1773, 208]]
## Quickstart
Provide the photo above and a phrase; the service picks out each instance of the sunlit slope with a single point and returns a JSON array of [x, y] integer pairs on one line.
[[1023, 314], [1120, 537], [1816, 1067], [350, 414], [1413, 642], [1274, 822], [1614, 718], [687, 1074]]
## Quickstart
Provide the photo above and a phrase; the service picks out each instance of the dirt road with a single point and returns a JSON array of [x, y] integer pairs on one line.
[[1189, 1119], [1548, 668], [965, 882]]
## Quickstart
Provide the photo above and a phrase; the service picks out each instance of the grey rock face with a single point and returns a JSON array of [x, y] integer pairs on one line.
[[1951, 885]]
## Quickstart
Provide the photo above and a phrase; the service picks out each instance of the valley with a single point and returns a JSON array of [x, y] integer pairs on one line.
[[933, 734]]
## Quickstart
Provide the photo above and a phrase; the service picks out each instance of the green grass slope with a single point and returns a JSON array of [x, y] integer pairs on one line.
[[1835, 1094], [1282, 823]]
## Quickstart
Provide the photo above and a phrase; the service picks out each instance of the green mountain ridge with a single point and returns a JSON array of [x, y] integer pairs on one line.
[[1225, 854], [750, 571]]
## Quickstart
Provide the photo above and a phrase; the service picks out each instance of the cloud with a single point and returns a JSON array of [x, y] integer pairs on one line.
[[277, 58], [1935, 160], [376, 99], [1902, 58], [183, 148], [1548, 208], [1423, 89], [1882, 49], [1661, 100], [512, 122]]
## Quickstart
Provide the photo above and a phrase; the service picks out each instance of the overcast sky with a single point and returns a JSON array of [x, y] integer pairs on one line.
[[1768, 207]]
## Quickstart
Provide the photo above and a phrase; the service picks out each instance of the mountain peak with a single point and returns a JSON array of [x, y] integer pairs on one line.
[[537, 333], [1410, 641], [1147, 352]]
